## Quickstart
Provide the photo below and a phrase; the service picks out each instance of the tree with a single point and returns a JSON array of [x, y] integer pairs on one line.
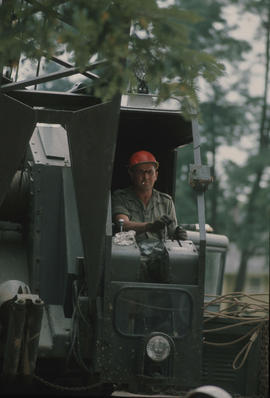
[[246, 191], [220, 118], [250, 184], [238, 200], [130, 36]]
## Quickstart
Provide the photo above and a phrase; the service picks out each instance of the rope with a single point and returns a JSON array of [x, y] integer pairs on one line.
[[245, 350], [232, 341], [238, 310]]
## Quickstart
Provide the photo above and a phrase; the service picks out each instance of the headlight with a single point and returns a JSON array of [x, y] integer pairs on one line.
[[158, 348]]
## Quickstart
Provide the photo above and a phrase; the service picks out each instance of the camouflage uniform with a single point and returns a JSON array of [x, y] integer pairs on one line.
[[125, 201]]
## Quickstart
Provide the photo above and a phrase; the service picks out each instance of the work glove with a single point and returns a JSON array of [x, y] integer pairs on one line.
[[179, 234], [160, 224]]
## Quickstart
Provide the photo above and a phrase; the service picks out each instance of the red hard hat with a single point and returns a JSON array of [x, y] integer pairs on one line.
[[142, 157]]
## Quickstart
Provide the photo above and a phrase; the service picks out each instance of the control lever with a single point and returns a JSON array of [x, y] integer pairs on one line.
[[179, 242], [121, 224]]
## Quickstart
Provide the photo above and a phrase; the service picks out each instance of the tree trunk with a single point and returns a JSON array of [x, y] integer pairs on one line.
[[248, 222], [242, 272]]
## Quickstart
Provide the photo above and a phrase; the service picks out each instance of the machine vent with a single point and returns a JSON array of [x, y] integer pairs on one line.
[[217, 366]]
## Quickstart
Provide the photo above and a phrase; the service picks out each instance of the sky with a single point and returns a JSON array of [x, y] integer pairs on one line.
[[247, 25]]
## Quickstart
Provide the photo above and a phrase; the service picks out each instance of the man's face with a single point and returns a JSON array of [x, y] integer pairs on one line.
[[144, 176]]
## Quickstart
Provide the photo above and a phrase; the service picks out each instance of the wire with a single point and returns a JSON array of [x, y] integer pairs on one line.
[[245, 350], [75, 341], [239, 307]]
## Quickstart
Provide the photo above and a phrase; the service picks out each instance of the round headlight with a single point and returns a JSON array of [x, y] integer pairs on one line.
[[158, 348]]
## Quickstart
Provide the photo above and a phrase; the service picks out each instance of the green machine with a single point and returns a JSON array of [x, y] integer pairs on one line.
[[71, 284], [75, 316]]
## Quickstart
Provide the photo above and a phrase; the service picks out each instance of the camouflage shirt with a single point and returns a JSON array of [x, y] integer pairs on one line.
[[125, 201]]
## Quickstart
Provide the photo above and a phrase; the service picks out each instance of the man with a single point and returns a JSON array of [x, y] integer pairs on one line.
[[144, 209]]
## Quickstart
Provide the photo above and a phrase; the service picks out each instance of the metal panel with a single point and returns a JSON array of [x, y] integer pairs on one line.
[[17, 123], [53, 99], [119, 356], [121, 256], [48, 276], [53, 140], [92, 135], [73, 242], [72, 231], [49, 145]]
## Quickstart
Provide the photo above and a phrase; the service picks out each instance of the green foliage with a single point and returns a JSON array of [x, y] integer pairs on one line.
[[220, 119], [212, 32], [248, 201], [237, 202], [124, 33]]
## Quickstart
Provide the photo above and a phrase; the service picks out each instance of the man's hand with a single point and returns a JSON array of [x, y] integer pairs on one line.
[[179, 234], [159, 224]]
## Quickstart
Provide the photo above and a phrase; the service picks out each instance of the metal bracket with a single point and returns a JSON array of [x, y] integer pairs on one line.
[[199, 177]]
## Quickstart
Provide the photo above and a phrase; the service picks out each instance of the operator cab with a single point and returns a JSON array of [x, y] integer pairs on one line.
[[159, 128]]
